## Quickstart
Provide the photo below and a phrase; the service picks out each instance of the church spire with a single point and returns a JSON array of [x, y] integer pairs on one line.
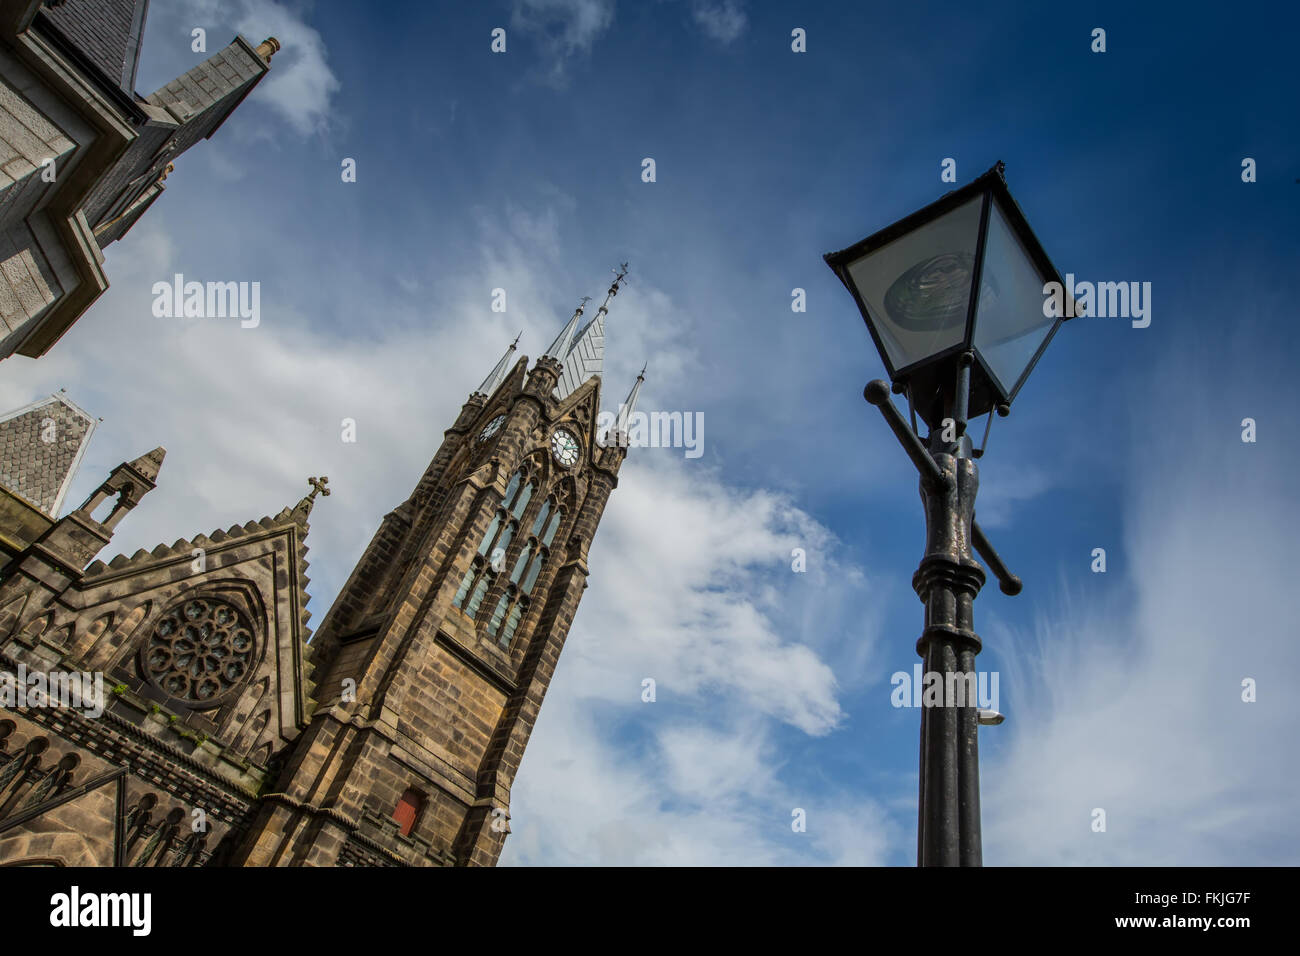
[[629, 405], [560, 347], [499, 372], [619, 275], [586, 356]]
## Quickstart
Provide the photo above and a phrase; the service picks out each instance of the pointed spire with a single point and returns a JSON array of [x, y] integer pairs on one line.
[[625, 410], [586, 356], [149, 464], [560, 347], [499, 372]]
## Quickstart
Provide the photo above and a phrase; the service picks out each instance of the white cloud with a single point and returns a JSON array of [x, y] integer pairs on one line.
[[1137, 709], [692, 796], [684, 574], [565, 29], [997, 499], [723, 20]]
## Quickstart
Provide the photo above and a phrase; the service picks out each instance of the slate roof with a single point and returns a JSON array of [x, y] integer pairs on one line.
[[41, 446], [585, 358], [107, 32]]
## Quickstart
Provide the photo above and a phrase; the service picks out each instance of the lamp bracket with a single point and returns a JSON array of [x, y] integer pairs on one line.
[[877, 393]]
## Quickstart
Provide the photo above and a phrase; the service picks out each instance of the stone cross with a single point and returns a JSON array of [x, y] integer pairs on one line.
[[318, 487]]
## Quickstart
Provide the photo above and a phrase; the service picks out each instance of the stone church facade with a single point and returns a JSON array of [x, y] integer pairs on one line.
[[229, 734]]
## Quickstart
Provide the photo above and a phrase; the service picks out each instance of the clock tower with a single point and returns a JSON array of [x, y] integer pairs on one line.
[[433, 662]]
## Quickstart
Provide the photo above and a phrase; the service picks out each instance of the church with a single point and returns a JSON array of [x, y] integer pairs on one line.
[[229, 734], [207, 725]]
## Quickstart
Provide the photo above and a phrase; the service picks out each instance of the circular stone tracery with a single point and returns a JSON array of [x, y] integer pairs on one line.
[[199, 650]]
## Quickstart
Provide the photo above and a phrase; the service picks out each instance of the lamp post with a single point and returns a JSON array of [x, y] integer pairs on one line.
[[954, 297]]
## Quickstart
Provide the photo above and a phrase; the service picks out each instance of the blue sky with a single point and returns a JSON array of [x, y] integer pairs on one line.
[[522, 171]]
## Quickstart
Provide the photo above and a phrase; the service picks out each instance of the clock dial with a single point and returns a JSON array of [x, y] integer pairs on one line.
[[565, 448], [491, 428]]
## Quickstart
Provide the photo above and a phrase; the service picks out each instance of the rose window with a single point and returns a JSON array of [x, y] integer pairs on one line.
[[199, 650]]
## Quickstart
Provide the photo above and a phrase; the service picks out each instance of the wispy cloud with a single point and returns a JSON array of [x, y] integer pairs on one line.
[[565, 29], [723, 20], [1136, 708]]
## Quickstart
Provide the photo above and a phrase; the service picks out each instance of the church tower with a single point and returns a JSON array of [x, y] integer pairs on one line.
[[433, 662]]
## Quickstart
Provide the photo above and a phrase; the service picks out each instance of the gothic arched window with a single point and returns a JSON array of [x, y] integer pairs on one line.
[[513, 602], [492, 549], [510, 557]]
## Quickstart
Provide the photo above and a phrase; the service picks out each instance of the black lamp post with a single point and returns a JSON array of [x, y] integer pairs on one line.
[[954, 298]]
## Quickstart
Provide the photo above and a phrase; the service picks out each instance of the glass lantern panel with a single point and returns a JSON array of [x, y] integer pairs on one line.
[[917, 288], [1009, 321]]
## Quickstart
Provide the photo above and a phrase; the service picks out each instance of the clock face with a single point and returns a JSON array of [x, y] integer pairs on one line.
[[565, 448], [491, 428]]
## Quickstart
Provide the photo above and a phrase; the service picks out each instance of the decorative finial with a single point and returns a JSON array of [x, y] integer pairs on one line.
[[619, 275], [268, 48], [302, 510], [516, 341], [318, 486], [641, 377]]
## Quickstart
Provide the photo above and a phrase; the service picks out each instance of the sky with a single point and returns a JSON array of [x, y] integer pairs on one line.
[[522, 170]]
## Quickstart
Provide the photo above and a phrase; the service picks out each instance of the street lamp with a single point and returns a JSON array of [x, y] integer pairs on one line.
[[954, 297]]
